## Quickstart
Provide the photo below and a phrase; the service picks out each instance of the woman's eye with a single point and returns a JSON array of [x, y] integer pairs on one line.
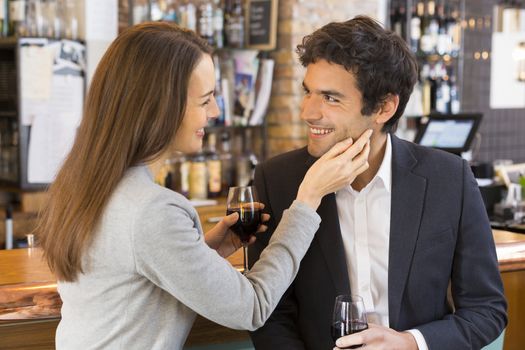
[[205, 103], [306, 91]]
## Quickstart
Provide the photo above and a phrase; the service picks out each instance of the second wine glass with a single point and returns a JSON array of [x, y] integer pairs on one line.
[[243, 200], [349, 317]]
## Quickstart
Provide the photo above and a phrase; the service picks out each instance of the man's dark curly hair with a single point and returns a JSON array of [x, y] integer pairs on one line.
[[381, 61]]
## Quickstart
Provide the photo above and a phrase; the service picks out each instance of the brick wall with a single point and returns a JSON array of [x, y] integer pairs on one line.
[[298, 18]]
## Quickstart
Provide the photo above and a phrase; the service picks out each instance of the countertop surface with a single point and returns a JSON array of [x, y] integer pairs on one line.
[[28, 288]]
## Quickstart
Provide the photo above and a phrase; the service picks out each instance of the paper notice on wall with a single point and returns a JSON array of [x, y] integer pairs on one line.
[[36, 71], [51, 141], [506, 90], [53, 132]]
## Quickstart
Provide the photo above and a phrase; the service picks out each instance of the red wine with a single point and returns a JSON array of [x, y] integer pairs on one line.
[[247, 224], [341, 328]]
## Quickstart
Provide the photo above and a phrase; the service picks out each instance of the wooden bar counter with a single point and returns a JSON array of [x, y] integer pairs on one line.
[[30, 306]]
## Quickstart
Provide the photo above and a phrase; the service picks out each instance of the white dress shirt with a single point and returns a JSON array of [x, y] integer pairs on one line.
[[364, 218]]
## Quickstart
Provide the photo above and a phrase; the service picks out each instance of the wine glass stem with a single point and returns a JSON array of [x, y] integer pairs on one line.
[[245, 259]]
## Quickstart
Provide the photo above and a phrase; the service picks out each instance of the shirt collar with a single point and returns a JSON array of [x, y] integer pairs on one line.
[[384, 173], [385, 170]]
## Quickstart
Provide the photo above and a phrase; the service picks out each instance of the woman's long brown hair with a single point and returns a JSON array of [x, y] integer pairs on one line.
[[134, 107]]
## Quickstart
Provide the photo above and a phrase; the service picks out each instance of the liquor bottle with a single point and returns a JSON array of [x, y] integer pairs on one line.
[[415, 30], [444, 42], [454, 31], [71, 20], [235, 26], [205, 21], [213, 164], [219, 97], [228, 168], [429, 28], [3, 19], [218, 24], [17, 17], [246, 161], [455, 105], [433, 26], [426, 89], [180, 169], [198, 178], [191, 16], [443, 95]]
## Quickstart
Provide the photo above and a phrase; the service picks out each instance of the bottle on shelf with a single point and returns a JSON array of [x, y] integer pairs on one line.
[[455, 105], [227, 164], [179, 174], [399, 21], [246, 161], [234, 29], [454, 31], [218, 24], [415, 28], [205, 21], [198, 177], [188, 16], [219, 96], [444, 41], [17, 17], [213, 165], [3, 16]]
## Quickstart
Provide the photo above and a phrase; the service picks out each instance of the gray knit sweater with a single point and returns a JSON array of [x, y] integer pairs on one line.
[[149, 271]]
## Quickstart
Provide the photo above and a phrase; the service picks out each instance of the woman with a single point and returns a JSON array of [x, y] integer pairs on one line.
[[132, 264]]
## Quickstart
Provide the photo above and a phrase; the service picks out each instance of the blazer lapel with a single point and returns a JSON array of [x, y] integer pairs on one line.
[[331, 242], [408, 194], [329, 239]]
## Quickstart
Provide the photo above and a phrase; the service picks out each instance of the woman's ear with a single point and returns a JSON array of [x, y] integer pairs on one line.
[[388, 109]]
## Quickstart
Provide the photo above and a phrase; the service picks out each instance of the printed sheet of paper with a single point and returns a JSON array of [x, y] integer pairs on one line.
[[53, 133]]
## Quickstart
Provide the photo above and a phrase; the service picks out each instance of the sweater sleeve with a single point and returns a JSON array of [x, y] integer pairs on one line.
[[169, 250]]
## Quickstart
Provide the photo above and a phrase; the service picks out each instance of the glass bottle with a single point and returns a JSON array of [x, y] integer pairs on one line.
[[205, 22], [228, 168], [213, 164], [17, 17], [198, 177], [235, 26], [218, 24]]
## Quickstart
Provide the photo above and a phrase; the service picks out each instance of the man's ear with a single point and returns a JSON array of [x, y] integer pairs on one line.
[[387, 109]]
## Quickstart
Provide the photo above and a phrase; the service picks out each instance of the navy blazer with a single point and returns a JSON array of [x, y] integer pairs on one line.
[[440, 236]]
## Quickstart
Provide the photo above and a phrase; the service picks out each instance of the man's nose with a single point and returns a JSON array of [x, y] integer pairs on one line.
[[311, 108]]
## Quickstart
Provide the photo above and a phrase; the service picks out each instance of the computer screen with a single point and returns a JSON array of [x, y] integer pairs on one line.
[[453, 133]]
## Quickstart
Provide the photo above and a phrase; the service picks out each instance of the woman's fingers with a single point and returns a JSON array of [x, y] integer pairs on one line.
[[338, 148], [265, 217], [358, 145]]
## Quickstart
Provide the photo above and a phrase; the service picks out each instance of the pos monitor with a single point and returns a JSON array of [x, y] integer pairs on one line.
[[450, 132]]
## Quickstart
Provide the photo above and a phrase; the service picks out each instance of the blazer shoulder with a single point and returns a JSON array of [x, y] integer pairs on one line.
[[434, 159]]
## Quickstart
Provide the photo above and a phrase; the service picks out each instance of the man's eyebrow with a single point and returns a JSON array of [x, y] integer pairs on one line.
[[333, 93]]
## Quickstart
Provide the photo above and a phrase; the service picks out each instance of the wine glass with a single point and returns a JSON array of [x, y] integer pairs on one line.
[[349, 317], [243, 201]]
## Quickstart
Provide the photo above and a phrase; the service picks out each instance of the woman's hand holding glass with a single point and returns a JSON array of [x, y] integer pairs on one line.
[[224, 241], [337, 168]]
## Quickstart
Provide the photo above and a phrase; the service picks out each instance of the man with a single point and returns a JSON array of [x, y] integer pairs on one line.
[[405, 230]]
